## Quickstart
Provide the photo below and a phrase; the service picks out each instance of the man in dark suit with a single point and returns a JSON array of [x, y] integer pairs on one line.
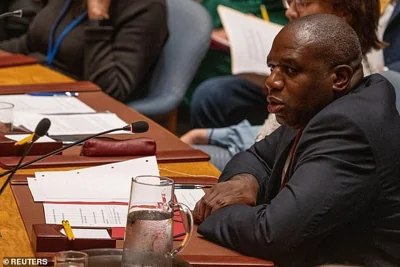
[[324, 187]]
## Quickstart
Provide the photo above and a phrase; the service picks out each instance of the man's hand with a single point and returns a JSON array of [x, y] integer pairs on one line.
[[98, 9], [240, 189]]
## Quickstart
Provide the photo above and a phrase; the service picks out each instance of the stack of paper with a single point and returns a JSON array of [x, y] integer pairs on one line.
[[96, 196], [250, 40], [89, 215], [77, 124], [106, 183], [68, 115], [19, 137], [46, 104]]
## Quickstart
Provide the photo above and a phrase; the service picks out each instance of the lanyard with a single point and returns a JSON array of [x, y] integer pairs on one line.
[[52, 48]]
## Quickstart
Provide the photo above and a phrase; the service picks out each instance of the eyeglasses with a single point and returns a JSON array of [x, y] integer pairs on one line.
[[300, 4]]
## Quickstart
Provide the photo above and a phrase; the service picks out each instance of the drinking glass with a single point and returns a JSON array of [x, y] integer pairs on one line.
[[71, 259], [149, 229], [6, 116]]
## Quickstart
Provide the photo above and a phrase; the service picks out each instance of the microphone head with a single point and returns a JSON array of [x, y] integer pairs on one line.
[[42, 128], [28, 13], [137, 127]]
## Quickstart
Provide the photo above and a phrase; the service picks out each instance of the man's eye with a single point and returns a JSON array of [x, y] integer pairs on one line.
[[291, 71]]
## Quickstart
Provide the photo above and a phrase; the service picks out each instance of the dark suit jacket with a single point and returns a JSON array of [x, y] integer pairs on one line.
[[342, 201], [392, 36]]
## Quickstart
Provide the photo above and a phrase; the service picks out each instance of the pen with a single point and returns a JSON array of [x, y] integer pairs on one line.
[[191, 186], [68, 230], [264, 13], [53, 94]]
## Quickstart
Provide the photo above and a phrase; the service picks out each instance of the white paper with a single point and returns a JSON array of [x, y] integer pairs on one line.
[[89, 233], [106, 183], [18, 137], [89, 215], [250, 40], [77, 124], [189, 196], [46, 104], [36, 190]]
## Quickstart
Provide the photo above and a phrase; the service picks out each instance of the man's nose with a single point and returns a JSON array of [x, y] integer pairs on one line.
[[274, 81], [292, 13]]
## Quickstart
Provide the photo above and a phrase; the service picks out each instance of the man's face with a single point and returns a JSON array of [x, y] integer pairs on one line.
[[300, 84]]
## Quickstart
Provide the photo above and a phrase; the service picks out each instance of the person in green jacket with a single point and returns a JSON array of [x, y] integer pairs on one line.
[[217, 62]]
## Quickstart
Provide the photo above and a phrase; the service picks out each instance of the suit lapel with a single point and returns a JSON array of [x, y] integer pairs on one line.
[[282, 153]]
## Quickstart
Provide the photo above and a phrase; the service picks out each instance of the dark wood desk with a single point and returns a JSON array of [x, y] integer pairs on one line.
[[169, 147]]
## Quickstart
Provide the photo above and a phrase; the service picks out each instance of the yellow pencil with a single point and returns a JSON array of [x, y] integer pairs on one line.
[[264, 13], [68, 230], [27, 139]]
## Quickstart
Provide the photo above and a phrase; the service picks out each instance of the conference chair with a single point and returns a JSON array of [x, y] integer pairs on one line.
[[190, 29]]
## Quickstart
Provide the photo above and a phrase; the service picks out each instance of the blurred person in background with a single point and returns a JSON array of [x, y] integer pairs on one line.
[[226, 101], [217, 61], [113, 43], [222, 143]]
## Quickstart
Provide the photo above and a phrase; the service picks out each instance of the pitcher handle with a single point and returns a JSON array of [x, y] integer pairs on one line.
[[188, 227]]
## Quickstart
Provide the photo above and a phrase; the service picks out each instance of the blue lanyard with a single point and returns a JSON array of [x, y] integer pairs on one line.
[[52, 48]]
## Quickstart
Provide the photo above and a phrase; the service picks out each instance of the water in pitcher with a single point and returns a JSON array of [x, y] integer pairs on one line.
[[148, 239]]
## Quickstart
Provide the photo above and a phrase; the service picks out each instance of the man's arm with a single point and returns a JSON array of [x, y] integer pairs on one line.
[[257, 161], [334, 180], [243, 180], [15, 45], [118, 57]]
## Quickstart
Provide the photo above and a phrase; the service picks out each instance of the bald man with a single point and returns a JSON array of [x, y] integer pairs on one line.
[[325, 187]]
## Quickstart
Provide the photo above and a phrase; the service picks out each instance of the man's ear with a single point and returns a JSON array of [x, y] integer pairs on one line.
[[342, 75]]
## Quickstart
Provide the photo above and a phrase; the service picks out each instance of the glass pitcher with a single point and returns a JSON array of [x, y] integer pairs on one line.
[[149, 229]]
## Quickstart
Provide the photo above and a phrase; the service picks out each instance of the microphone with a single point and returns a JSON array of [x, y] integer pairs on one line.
[[41, 129], [18, 13], [135, 127]]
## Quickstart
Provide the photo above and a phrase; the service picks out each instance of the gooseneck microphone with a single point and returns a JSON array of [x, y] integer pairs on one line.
[[135, 127], [16, 13], [41, 129]]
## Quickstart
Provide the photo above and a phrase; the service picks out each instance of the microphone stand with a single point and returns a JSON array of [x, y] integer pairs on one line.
[[57, 151], [13, 171]]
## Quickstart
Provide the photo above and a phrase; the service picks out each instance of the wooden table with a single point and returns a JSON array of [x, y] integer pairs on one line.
[[15, 242], [31, 74]]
